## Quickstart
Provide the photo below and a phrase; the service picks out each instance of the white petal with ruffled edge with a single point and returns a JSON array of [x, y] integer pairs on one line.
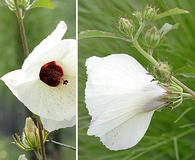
[[56, 103], [48, 43], [118, 89], [129, 133], [117, 109], [116, 74], [51, 125], [60, 53]]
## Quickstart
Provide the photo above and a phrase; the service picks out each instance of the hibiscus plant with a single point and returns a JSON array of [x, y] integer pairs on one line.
[[121, 95], [45, 84]]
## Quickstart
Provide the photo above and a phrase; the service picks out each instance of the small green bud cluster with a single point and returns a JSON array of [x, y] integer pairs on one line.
[[23, 4], [30, 137], [126, 26], [147, 14], [165, 68], [152, 37], [162, 72]]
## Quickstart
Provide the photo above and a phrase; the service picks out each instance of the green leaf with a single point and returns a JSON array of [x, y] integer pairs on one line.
[[167, 28], [49, 4], [98, 34], [188, 75], [187, 72], [171, 12]]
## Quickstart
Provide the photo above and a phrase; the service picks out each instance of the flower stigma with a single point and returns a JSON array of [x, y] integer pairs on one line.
[[52, 74]]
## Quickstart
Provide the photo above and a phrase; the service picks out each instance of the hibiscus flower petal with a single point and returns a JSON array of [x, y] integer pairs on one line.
[[48, 43], [56, 103], [69, 59], [51, 125], [111, 111], [114, 75], [33, 64], [117, 70], [13, 78], [129, 133]]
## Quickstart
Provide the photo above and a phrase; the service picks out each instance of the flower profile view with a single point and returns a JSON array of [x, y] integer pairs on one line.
[[46, 83], [121, 97]]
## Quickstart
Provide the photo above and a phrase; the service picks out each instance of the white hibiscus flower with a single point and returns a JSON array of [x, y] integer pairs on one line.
[[121, 98], [46, 83]]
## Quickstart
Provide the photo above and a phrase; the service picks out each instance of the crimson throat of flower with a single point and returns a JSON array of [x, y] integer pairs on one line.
[[52, 74]]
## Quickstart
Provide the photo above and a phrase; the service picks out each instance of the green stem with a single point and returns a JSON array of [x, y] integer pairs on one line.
[[40, 127], [145, 54], [139, 31], [22, 28], [61, 144], [185, 88], [156, 64], [37, 154], [176, 148], [187, 96], [26, 52]]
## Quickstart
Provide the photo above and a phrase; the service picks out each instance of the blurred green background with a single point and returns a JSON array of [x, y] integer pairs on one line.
[[39, 23], [178, 49]]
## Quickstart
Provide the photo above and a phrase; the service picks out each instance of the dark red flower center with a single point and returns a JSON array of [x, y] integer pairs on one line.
[[52, 74]]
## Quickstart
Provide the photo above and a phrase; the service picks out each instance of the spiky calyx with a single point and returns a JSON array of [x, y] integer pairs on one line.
[[30, 138]]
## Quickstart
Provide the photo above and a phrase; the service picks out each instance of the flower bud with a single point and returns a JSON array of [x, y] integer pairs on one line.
[[138, 15], [126, 26], [30, 137], [22, 4], [149, 13], [152, 37], [162, 72], [164, 67], [31, 132]]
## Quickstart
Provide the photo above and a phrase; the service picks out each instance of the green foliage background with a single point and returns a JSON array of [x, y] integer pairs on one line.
[[165, 140], [39, 22]]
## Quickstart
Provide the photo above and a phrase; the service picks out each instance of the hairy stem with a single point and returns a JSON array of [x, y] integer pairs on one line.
[[185, 88], [156, 64], [139, 31], [145, 54], [40, 127], [37, 154], [22, 28], [61, 144], [26, 52]]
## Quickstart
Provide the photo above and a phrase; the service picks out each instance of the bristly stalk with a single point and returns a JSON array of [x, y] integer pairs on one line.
[[37, 154], [61, 144], [22, 28], [155, 62], [26, 52], [42, 145]]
